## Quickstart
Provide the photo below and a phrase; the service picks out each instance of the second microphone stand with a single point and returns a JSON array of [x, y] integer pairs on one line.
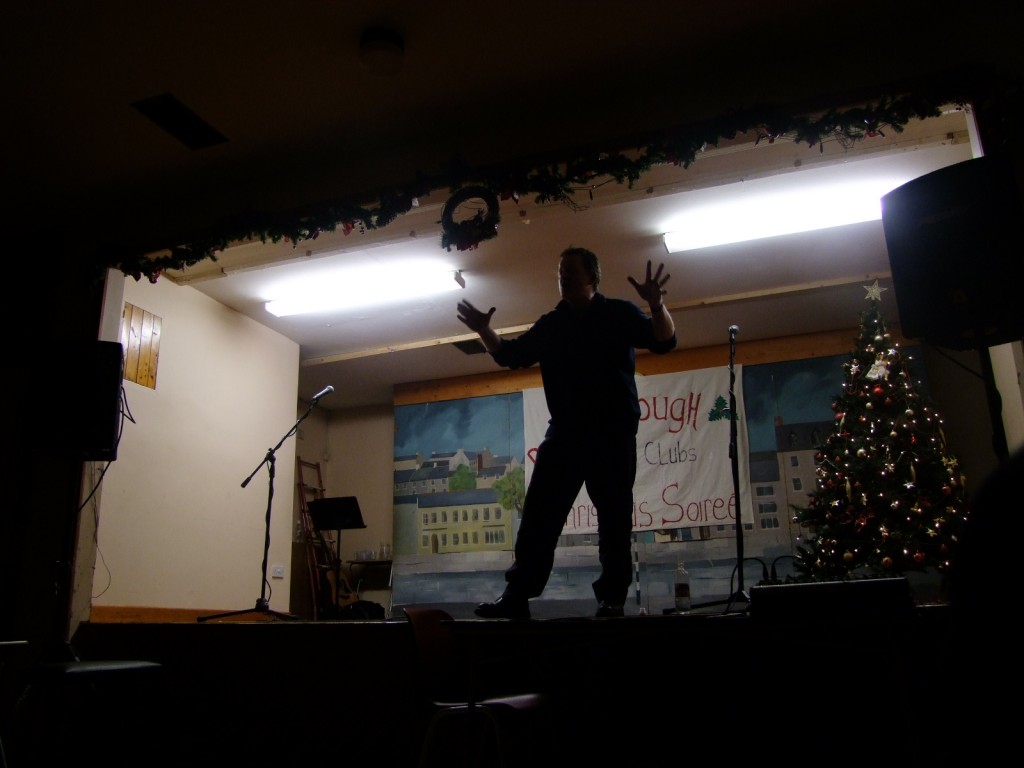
[[734, 455], [263, 603], [738, 596]]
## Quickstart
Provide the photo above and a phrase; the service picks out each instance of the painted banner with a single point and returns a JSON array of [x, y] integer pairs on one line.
[[684, 470]]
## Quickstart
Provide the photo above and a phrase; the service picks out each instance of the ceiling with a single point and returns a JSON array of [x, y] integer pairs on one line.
[[307, 121]]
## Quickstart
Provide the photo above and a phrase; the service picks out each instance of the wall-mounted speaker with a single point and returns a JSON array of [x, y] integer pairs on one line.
[[955, 249], [82, 421]]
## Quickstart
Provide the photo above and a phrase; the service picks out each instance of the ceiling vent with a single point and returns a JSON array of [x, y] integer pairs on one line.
[[169, 114]]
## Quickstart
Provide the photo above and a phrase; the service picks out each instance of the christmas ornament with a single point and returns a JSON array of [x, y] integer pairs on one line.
[[879, 369]]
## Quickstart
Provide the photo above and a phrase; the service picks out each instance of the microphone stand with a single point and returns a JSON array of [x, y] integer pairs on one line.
[[263, 603], [739, 595]]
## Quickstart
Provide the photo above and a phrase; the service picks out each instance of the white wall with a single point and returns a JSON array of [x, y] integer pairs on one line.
[[176, 529]]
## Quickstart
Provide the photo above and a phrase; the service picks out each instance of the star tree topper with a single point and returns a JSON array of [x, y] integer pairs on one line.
[[874, 291]]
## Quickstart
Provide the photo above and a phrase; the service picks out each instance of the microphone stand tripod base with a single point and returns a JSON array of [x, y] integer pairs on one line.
[[262, 607]]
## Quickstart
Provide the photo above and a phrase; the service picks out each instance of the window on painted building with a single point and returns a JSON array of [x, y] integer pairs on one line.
[[424, 541], [433, 517], [426, 519], [476, 537], [487, 513], [767, 507], [705, 533], [764, 490], [476, 515], [465, 516], [794, 461], [455, 539], [769, 522], [497, 513], [444, 516], [798, 484]]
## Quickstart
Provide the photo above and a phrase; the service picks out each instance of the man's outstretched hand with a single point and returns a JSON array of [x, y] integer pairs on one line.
[[651, 289], [473, 318]]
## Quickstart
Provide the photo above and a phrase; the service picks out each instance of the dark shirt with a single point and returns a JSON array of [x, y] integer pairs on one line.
[[588, 364]]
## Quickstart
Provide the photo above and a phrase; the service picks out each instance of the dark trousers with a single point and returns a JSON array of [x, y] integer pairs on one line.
[[607, 466]]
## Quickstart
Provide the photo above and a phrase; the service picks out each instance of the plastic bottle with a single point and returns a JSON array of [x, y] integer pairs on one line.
[[682, 587]]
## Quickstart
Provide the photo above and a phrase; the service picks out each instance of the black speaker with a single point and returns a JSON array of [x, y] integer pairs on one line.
[[888, 597], [83, 421], [954, 244]]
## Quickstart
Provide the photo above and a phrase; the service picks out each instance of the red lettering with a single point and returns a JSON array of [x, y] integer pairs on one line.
[[679, 412], [697, 511]]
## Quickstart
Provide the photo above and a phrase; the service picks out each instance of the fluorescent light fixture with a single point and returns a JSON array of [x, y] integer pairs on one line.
[[364, 286], [783, 205]]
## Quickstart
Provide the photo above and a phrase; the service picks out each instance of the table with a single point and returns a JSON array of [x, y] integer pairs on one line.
[[364, 568]]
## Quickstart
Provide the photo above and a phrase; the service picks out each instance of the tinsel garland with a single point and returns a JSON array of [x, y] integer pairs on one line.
[[547, 182]]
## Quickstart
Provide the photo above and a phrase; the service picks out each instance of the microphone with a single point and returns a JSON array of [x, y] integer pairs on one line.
[[733, 330], [325, 391]]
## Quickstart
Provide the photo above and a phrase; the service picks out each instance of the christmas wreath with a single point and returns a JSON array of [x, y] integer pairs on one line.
[[467, 234]]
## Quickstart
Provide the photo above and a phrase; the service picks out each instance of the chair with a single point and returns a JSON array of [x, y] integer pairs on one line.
[[508, 728], [70, 709]]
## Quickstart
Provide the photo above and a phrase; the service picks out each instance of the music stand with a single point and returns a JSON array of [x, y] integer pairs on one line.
[[338, 513]]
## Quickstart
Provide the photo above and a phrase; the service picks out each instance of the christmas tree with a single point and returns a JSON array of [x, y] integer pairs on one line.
[[890, 498]]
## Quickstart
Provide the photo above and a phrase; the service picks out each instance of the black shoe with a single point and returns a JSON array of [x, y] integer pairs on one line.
[[607, 610], [504, 607]]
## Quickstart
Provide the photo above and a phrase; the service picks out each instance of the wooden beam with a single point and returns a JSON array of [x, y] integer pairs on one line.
[[747, 353]]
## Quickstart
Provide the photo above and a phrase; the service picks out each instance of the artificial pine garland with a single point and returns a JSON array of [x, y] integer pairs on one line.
[[547, 182]]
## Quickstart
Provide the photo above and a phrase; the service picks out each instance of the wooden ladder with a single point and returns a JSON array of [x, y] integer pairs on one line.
[[321, 547]]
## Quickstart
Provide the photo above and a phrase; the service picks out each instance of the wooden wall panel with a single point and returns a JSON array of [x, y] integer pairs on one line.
[[503, 381]]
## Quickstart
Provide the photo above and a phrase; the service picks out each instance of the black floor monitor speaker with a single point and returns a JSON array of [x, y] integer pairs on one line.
[[955, 249], [855, 598]]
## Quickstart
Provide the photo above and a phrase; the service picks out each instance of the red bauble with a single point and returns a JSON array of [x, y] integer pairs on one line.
[[919, 557], [878, 390]]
